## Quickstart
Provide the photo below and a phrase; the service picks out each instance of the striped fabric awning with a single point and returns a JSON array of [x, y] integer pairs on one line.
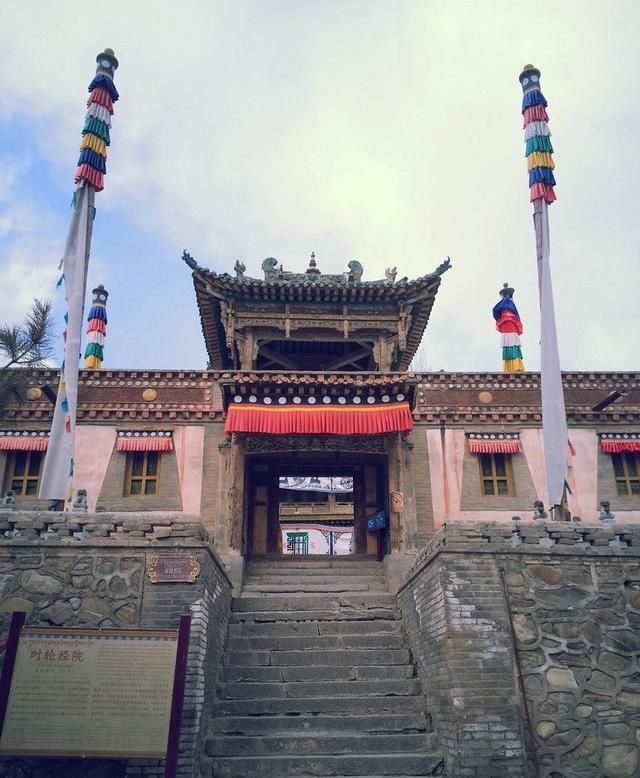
[[620, 442], [138, 440], [13, 440], [320, 419], [494, 443]]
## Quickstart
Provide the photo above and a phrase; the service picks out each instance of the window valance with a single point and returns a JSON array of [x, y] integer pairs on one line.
[[23, 440], [494, 443], [140, 440], [619, 442]]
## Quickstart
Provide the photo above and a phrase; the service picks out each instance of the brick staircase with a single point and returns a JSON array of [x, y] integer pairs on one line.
[[317, 679]]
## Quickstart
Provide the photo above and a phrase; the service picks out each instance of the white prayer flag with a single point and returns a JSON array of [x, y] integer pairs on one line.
[[57, 475], [554, 416]]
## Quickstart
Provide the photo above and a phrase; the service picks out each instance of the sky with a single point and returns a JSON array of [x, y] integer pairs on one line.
[[388, 132]]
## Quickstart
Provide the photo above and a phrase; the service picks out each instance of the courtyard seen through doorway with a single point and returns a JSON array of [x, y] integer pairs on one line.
[[316, 514], [314, 505]]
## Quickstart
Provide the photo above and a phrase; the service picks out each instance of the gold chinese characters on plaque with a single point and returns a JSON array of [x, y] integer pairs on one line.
[[90, 692], [173, 569]]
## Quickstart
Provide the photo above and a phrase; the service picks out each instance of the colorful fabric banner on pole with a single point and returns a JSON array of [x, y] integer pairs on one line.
[[509, 325], [57, 475], [541, 184], [96, 329]]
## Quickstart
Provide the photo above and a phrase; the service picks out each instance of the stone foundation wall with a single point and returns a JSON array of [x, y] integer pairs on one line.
[[572, 595], [89, 570]]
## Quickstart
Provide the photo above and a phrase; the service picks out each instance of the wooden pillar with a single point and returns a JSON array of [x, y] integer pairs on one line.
[[383, 352], [229, 533], [247, 347], [396, 487]]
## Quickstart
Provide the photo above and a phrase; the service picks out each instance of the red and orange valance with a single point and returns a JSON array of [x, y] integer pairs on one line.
[[138, 440], [620, 442], [494, 443], [11, 440], [311, 415]]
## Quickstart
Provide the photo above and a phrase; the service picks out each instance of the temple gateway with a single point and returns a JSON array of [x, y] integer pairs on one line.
[[374, 584], [314, 387]]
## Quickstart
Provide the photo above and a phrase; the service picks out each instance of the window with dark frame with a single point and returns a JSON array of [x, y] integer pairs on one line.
[[496, 477], [23, 472], [142, 474], [626, 468]]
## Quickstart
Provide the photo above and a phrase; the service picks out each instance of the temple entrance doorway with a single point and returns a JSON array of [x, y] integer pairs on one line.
[[314, 505]]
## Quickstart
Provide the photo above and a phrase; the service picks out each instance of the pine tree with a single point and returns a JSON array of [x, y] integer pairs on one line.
[[26, 345]]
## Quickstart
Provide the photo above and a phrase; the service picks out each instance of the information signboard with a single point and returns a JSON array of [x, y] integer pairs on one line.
[[79, 692], [377, 521]]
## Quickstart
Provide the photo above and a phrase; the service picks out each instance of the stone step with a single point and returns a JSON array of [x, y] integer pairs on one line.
[[343, 627], [290, 575], [308, 602], [294, 689], [318, 642], [310, 586], [311, 658], [316, 673], [299, 706], [407, 764], [356, 725], [344, 565], [323, 745], [364, 614]]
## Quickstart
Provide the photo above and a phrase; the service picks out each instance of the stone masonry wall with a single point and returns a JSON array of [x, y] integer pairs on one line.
[[456, 621], [89, 570], [574, 594]]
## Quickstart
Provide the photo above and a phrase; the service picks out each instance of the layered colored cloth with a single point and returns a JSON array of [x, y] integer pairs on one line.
[[96, 329], [509, 326], [494, 443], [145, 440], [620, 442], [538, 148], [56, 482], [21, 440], [92, 164], [315, 416]]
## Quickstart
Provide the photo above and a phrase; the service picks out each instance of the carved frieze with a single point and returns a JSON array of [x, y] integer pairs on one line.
[[262, 444]]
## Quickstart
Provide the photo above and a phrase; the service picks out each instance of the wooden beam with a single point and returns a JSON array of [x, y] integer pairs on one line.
[[279, 359], [348, 359]]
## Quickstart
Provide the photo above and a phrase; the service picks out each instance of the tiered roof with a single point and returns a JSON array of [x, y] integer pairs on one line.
[[285, 288]]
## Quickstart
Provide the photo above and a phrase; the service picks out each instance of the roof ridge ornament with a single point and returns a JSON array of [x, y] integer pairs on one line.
[[269, 266], [313, 269], [442, 268], [189, 260], [355, 271]]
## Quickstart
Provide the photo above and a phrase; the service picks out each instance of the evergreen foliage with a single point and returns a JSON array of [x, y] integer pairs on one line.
[[26, 345]]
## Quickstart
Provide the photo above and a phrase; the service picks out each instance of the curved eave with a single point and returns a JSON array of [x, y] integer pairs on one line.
[[210, 288], [314, 290], [421, 312], [212, 330]]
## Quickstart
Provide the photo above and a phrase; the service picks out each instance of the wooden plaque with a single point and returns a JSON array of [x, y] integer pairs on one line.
[[90, 692], [173, 569]]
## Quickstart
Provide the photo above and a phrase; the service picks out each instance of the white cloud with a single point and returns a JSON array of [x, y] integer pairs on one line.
[[29, 242], [384, 131]]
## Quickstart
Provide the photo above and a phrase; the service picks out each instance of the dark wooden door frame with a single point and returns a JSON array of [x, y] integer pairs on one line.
[[315, 464]]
